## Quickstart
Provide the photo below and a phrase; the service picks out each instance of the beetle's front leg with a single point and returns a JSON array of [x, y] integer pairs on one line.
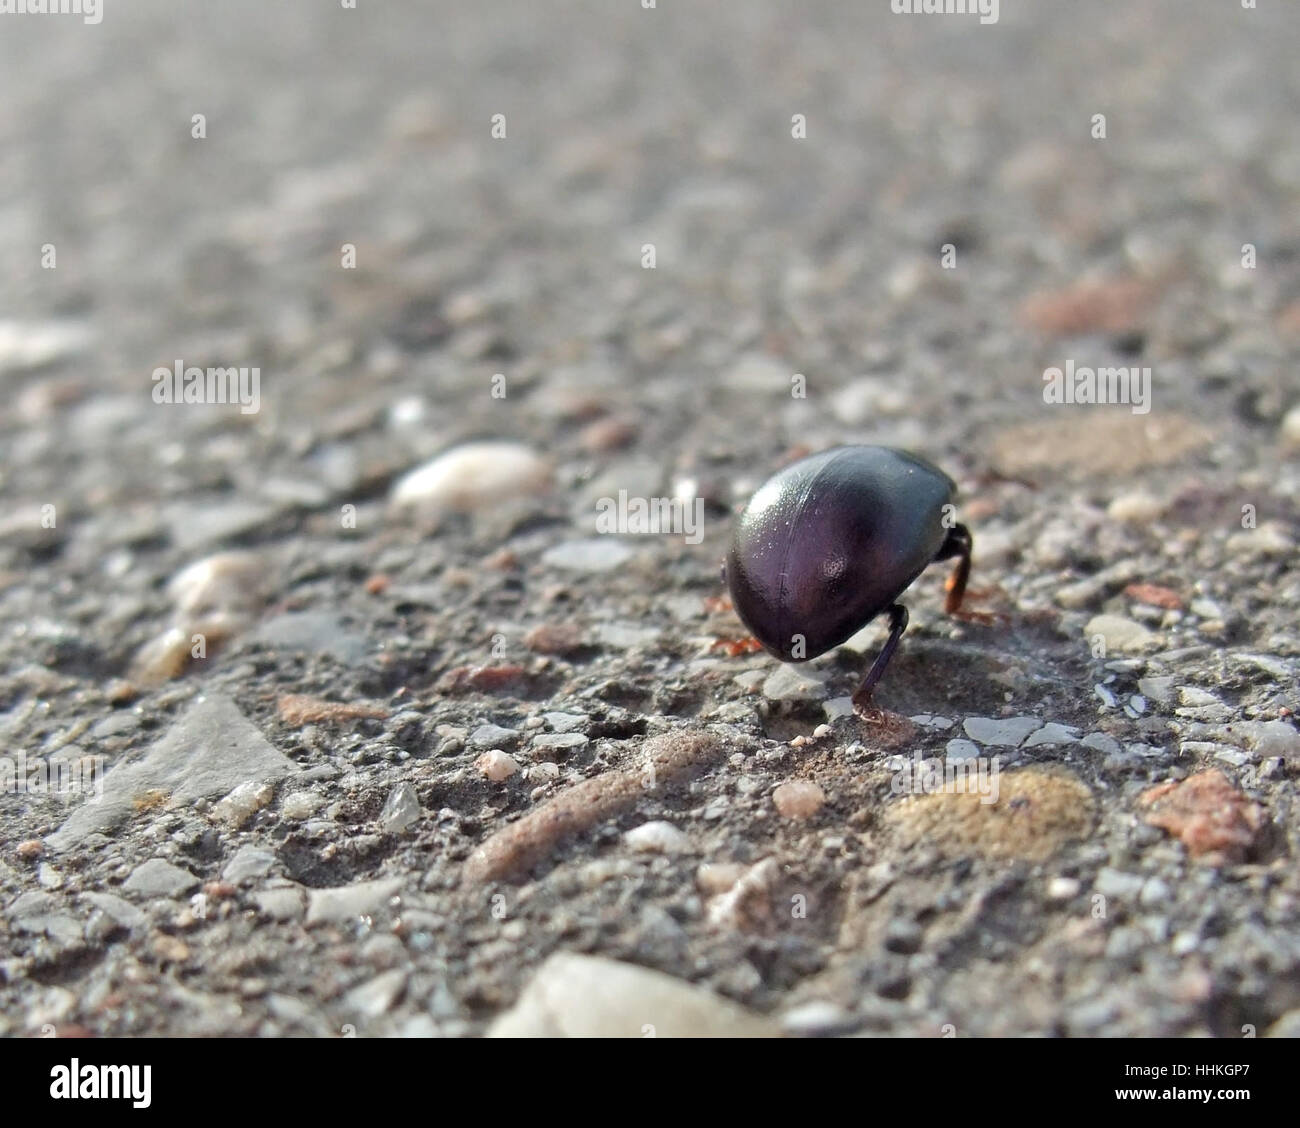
[[897, 625]]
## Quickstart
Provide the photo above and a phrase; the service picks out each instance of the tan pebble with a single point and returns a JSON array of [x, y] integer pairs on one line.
[[497, 765], [163, 657], [713, 878], [225, 582], [1032, 814], [31, 848], [607, 434], [798, 799], [1135, 508], [1291, 427], [171, 949]]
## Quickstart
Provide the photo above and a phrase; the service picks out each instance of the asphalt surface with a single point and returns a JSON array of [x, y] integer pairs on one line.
[[436, 224]]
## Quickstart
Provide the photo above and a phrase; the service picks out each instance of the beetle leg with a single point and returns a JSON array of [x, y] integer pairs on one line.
[[958, 544], [897, 625]]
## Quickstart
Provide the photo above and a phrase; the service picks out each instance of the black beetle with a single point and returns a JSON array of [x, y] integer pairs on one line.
[[831, 541]]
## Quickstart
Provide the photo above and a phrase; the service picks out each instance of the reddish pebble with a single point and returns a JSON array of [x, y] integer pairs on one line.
[[1217, 823], [1155, 595], [554, 638]]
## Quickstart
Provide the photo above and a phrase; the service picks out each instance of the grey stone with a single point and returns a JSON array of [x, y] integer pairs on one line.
[[118, 909], [314, 632], [401, 809], [376, 996], [793, 683], [347, 902], [493, 736], [248, 863], [1001, 732], [559, 740], [208, 751], [280, 904], [565, 722], [598, 554], [159, 878]]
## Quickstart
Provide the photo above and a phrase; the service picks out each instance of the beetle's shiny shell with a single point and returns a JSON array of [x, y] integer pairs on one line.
[[832, 540]]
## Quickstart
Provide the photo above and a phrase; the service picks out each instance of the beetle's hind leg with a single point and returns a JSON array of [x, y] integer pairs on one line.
[[958, 544], [897, 625]]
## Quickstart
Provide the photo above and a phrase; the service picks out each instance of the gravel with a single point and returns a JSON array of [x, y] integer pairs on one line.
[[394, 738]]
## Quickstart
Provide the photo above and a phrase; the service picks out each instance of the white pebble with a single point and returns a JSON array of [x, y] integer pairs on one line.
[[1062, 888], [243, 803], [227, 581], [496, 765], [473, 476], [656, 838], [1290, 429]]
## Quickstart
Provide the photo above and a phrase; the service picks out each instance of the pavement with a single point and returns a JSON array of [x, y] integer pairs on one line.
[[379, 728]]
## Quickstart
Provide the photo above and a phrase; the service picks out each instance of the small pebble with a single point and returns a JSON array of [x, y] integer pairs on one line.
[[1121, 635], [473, 476], [798, 799], [1063, 889], [656, 838], [492, 736], [301, 805], [790, 683], [1135, 508], [496, 765], [596, 554], [243, 803], [225, 582], [713, 878], [1007, 732], [958, 750], [401, 809], [1289, 432]]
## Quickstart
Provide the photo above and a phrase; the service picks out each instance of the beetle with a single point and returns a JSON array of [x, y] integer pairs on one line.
[[829, 542]]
